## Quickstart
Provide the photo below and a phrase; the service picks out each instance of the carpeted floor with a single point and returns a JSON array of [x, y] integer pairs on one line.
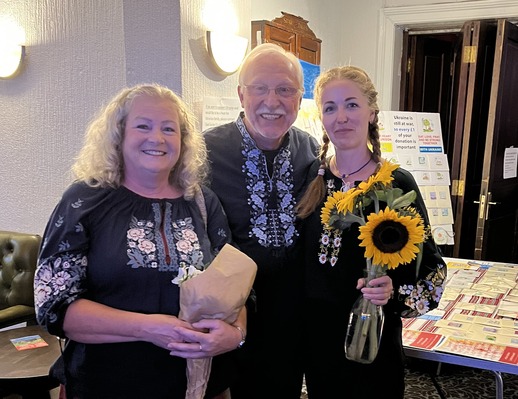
[[454, 382]]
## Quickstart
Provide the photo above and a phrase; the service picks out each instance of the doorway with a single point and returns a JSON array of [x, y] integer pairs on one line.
[[460, 76]]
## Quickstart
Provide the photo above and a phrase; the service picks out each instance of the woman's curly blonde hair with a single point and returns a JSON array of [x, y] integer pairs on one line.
[[100, 162], [316, 191]]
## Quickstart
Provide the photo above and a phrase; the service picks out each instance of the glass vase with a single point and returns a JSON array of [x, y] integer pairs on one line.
[[365, 325]]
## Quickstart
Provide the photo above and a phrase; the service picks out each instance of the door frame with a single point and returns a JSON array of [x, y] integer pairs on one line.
[[393, 20]]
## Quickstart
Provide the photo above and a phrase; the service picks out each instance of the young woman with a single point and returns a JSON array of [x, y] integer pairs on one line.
[[347, 104]]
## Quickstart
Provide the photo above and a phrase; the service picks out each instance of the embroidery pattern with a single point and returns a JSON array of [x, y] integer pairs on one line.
[[272, 227], [141, 247], [330, 239], [146, 246], [57, 277], [423, 293], [187, 243]]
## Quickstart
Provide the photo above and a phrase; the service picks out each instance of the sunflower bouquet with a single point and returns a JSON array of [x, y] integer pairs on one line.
[[391, 237]]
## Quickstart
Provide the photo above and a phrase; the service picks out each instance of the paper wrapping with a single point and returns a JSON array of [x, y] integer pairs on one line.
[[218, 293]]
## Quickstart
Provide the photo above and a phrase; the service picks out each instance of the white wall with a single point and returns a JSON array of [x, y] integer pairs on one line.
[[200, 78], [74, 61], [81, 52], [348, 29]]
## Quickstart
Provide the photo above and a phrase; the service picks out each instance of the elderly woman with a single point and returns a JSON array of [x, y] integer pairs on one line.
[[115, 242]]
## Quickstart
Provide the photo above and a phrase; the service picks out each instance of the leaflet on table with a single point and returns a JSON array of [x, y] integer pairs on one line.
[[502, 269], [461, 278], [478, 291], [419, 324], [421, 340], [509, 306], [29, 342], [505, 281], [456, 263], [449, 294], [477, 332], [507, 314], [479, 350]]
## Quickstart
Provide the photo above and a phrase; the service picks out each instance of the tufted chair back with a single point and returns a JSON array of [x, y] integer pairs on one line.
[[18, 259]]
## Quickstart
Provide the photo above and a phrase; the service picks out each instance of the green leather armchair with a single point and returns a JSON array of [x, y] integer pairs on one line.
[[18, 259]]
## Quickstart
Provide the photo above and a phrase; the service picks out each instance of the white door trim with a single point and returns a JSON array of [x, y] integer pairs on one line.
[[393, 20]]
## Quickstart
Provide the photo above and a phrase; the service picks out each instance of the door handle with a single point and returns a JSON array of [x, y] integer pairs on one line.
[[482, 206], [483, 213]]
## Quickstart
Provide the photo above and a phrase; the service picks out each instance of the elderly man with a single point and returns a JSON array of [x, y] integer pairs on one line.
[[259, 165]]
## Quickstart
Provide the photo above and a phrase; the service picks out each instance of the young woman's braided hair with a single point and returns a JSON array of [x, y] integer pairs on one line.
[[316, 191]]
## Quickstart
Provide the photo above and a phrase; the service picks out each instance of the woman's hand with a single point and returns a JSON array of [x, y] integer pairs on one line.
[[162, 330], [380, 289], [211, 337]]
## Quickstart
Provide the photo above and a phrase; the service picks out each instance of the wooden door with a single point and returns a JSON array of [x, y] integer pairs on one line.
[[484, 123], [497, 220], [476, 67]]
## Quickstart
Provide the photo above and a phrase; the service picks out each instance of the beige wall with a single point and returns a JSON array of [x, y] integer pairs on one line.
[[81, 52]]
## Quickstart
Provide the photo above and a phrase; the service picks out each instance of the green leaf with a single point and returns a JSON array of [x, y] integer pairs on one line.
[[342, 222], [419, 258], [367, 200], [405, 200], [389, 196]]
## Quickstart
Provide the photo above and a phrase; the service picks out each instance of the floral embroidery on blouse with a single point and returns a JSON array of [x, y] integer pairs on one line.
[[272, 227], [424, 292], [60, 279], [330, 239], [163, 243], [187, 244], [141, 249]]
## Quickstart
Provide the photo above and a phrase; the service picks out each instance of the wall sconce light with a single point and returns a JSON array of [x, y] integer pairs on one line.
[[11, 51], [226, 50]]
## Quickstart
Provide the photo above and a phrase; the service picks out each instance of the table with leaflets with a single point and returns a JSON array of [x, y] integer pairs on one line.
[[476, 323]]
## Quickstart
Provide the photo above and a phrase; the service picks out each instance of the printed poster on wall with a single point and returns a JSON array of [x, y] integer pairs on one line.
[[410, 132], [219, 110], [414, 141]]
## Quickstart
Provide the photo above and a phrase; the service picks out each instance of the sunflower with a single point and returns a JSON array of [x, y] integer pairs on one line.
[[330, 207], [384, 174], [390, 239], [346, 203], [367, 185]]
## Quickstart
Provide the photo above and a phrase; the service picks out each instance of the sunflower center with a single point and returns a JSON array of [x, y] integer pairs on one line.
[[390, 236]]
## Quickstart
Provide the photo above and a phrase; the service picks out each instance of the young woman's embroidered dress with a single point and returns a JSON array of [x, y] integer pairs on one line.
[[334, 262]]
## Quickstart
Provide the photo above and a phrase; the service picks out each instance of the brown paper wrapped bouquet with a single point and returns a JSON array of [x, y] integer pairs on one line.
[[219, 292]]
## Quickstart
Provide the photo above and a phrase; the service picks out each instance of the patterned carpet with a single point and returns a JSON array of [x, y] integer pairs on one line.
[[454, 382]]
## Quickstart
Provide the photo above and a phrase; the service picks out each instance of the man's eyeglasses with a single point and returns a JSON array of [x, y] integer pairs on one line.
[[262, 90]]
